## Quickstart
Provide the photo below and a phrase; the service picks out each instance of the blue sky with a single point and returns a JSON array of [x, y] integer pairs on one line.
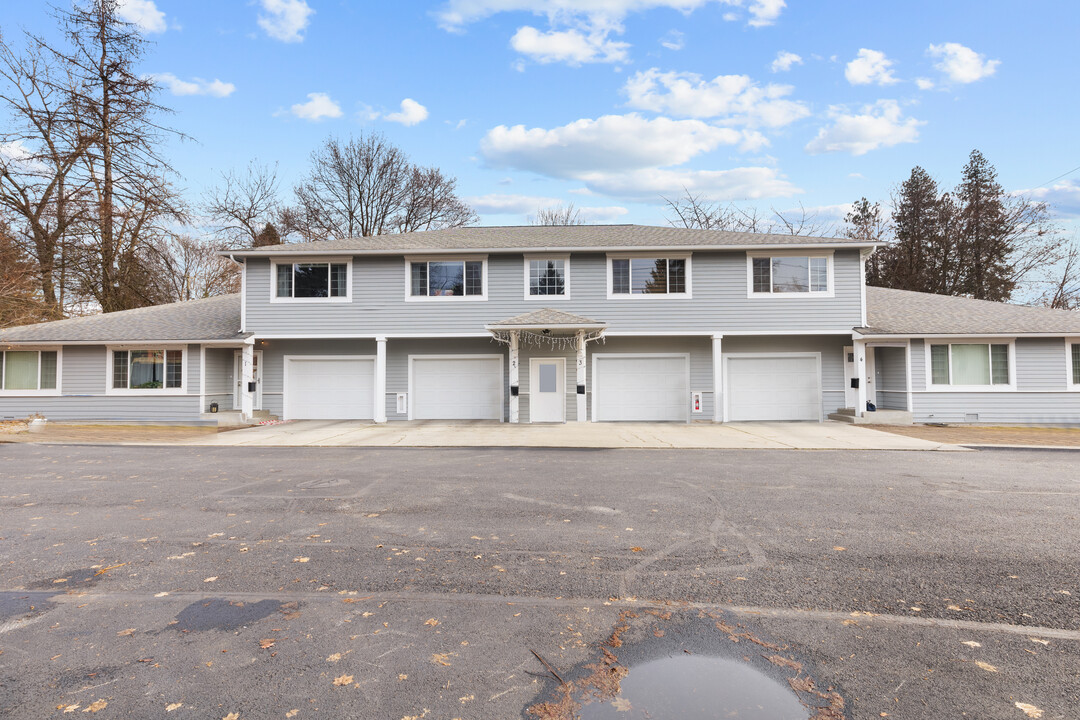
[[610, 104]]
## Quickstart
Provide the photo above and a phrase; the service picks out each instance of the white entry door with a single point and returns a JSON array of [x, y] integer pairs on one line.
[[459, 387], [329, 387], [238, 376], [641, 388], [547, 390], [773, 387]]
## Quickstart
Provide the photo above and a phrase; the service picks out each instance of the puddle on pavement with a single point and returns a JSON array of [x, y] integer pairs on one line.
[[220, 614], [20, 604], [697, 687]]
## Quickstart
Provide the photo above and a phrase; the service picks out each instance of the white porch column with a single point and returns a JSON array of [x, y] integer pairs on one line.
[[860, 375], [718, 378], [247, 376], [582, 410], [514, 416], [380, 380]]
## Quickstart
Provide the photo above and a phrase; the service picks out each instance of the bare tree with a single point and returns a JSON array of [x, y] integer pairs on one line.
[[20, 294], [244, 204], [557, 215], [187, 268], [39, 153], [694, 211], [798, 222], [1063, 292], [366, 186], [866, 223]]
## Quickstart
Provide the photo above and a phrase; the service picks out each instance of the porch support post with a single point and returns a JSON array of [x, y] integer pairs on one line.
[[580, 390], [907, 377], [718, 378], [514, 416], [860, 374], [380, 380], [247, 376]]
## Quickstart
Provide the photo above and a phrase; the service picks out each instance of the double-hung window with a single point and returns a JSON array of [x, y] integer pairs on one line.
[[429, 279], [630, 276], [978, 365], [147, 369], [547, 276], [1074, 364], [28, 370], [785, 274], [311, 281]]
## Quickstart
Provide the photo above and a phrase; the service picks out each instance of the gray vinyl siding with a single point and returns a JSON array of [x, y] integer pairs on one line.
[[719, 301], [219, 378], [831, 348], [1040, 398], [890, 369]]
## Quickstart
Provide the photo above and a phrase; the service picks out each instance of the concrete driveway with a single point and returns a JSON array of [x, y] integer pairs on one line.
[[766, 435]]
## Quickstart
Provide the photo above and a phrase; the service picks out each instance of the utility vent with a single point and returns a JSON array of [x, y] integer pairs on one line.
[[402, 403], [971, 417]]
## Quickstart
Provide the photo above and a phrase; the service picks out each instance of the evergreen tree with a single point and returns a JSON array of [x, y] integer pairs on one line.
[[267, 236], [916, 218], [984, 238]]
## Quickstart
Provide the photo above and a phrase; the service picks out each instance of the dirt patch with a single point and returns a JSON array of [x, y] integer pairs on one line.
[[988, 435], [104, 434]]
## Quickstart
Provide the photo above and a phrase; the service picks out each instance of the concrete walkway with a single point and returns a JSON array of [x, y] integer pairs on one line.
[[771, 435]]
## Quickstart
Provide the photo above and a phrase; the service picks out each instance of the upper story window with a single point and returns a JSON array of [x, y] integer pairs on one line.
[[147, 369], [311, 281], [979, 365], [28, 369], [640, 275], [441, 279], [784, 274], [546, 276]]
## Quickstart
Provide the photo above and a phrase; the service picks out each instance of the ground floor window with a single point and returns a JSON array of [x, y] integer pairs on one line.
[[28, 369], [147, 369], [1076, 363], [969, 364]]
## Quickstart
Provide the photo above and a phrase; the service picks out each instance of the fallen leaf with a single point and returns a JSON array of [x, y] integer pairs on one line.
[[402, 676], [432, 622], [301, 559], [1039, 640], [334, 658], [838, 548], [986, 666], [98, 704], [212, 579], [125, 633], [466, 699], [173, 706], [1030, 710], [343, 680], [971, 643], [441, 659], [622, 704], [266, 643], [161, 594], [292, 713], [232, 716], [69, 708], [635, 549]]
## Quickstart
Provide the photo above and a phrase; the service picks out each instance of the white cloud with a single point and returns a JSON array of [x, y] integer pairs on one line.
[[648, 185], [318, 106], [737, 99], [784, 61], [569, 46], [857, 176], [601, 214], [195, 86], [673, 40], [1063, 197], [879, 125], [765, 12], [285, 20], [506, 204], [143, 13], [411, 113], [924, 83], [962, 64], [870, 67]]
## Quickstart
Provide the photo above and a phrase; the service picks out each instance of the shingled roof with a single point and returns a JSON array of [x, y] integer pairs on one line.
[[547, 237], [902, 312], [216, 318], [547, 317]]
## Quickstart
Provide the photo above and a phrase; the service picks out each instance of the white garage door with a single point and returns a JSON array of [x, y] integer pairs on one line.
[[458, 388], [773, 388], [340, 388], [646, 389]]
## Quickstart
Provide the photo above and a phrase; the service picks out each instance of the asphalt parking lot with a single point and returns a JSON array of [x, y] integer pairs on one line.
[[395, 583]]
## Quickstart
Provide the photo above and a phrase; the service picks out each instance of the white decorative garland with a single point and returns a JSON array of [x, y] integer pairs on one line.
[[552, 342]]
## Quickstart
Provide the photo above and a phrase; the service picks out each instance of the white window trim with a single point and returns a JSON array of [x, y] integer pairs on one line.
[[1069, 384], [348, 261], [566, 277], [612, 295], [411, 394], [931, 387], [143, 392], [39, 392], [409, 260], [831, 281]]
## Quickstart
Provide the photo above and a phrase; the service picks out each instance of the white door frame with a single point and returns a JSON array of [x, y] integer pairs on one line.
[[727, 374], [596, 385], [560, 386], [871, 375], [286, 359], [465, 356], [257, 399]]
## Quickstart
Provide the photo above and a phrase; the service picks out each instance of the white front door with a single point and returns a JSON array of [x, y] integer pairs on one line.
[[851, 395], [256, 376], [871, 376], [547, 390]]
